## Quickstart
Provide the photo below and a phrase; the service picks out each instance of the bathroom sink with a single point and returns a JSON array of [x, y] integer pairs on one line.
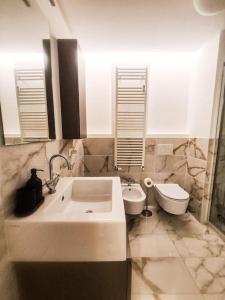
[[83, 221], [84, 196]]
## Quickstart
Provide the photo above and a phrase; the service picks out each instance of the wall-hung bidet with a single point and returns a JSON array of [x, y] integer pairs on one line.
[[134, 198], [172, 198]]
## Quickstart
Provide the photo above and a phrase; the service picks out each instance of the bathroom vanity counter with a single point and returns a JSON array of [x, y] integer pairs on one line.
[[83, 221]]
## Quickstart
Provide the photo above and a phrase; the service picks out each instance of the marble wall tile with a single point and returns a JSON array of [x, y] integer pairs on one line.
[[198, 148], [187, 166], [15, 164], [194, 182], [149, 163], [134, 173], [208, 186], [99, 161], [180, 145], [103, 165], [98, 146], [169, 163], [196, 191], [159, 177], [150, 145], [197, 179], [168, 168], [215, 184], [98, 165], [74, 151], [211, 159], [196, 168]]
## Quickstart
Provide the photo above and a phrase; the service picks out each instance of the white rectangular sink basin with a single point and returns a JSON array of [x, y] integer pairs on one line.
[[83, 221], [89, 196]]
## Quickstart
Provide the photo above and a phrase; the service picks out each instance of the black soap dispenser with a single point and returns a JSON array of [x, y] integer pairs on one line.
[[29, 197], [35, 183]]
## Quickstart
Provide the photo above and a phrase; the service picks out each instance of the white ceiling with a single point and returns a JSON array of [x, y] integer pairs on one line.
[[139, 25]]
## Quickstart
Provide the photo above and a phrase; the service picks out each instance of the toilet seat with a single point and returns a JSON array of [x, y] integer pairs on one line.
[[172, 191]]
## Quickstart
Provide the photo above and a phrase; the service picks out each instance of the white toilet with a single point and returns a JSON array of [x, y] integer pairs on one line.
[[134, 198], [172, 198]]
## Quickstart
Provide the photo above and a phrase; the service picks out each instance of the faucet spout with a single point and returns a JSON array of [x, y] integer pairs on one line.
[[51, 164], [52, 182]]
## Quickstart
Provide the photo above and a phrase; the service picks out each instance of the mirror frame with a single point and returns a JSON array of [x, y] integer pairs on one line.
[[49, 88]]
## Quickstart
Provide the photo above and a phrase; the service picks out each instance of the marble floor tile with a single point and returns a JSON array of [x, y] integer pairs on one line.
[[206, 246], [161, 222], [208, 273], [153, 276], [168, 297], [183, 225], [141, 225], [152, 245], [193, 253], [214, 297]]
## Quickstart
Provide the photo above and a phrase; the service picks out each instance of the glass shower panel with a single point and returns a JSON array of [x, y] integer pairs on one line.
[[217, 212]]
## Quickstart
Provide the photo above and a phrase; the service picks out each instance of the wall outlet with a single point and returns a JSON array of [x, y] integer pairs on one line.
[[164, 149]]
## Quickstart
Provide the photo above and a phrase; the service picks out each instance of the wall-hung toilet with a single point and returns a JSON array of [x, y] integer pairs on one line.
[[134, 198], [172, 198]]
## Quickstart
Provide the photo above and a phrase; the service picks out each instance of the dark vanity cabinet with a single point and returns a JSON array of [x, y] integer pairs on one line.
[[72, 89]]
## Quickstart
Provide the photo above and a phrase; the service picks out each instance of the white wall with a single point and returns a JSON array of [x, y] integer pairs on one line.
[[202, 89], [168, 88]]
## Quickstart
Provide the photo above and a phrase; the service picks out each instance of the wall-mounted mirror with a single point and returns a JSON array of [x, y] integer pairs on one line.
[[25, 98]]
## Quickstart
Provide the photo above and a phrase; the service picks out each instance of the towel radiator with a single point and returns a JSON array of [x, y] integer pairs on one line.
[[31, 97], [130, 123]]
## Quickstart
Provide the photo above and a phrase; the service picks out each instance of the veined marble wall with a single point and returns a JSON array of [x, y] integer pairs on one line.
[[217, 192], [187, 165], [196, 174], [15, 165]]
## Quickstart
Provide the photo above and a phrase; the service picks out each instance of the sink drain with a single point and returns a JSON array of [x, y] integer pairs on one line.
[[88, 211]]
